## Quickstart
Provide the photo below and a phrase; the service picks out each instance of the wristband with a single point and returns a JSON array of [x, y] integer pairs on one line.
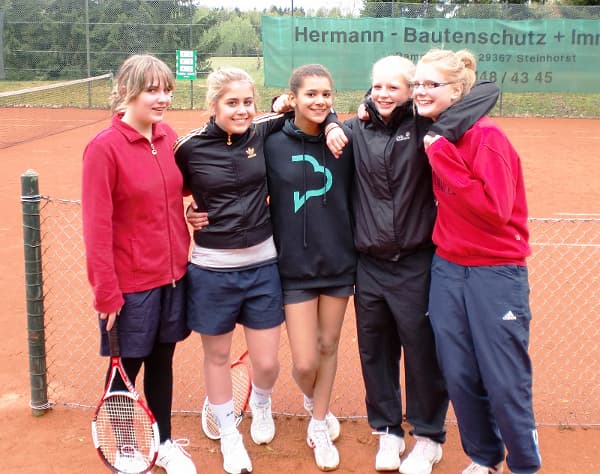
[[330, 127]]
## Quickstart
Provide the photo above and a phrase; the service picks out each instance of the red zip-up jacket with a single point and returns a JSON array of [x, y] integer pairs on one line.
[[482, 208], [134, 229]]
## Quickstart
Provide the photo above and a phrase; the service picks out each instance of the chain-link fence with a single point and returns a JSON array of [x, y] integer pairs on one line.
[[73, 39], [565, 299]]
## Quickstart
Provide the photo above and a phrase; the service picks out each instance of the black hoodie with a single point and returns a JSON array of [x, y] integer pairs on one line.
[[310, 196]]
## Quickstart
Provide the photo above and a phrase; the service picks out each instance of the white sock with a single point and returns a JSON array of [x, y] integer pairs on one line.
[[225, 415], [309, 403], [260, 396], [313, 423]]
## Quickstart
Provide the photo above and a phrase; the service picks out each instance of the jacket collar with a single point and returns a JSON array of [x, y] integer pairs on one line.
[[398, 114], [290, 129], [214, 131], [132, 134]]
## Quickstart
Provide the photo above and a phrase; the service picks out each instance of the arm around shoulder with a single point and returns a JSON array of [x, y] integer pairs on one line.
[[460, 117]]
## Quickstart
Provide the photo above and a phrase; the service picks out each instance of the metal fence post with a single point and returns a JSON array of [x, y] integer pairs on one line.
[[30, 200]]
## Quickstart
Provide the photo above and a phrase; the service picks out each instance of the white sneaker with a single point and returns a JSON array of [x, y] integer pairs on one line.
[[391, 448], [262, 429], [131, 461], [333, 424], [424, 455], [326, 454], [475, 468], [235, 456], [174, 459]]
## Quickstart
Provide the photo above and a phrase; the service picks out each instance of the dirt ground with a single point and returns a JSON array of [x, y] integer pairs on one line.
[[562, 170]]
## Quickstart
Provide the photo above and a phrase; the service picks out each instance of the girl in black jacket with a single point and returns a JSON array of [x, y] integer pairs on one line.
[[232, 276], [394, 212]]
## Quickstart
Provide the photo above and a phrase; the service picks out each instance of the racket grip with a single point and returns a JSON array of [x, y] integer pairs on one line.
[[113, 341]]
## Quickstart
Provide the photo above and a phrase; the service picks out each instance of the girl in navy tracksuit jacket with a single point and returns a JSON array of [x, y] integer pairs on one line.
[[310, 209], [479, 298]]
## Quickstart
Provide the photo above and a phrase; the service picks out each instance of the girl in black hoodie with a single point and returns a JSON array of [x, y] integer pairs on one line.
[[310, 210]]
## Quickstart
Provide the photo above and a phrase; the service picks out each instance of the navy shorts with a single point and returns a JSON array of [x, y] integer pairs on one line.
[[307, 294], [218, 300], [147, 317]]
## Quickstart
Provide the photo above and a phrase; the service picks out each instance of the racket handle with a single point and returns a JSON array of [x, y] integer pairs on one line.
[[113, 341]]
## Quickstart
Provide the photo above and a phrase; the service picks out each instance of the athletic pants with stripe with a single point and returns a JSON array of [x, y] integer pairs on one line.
[[391, 306], [480, 317]]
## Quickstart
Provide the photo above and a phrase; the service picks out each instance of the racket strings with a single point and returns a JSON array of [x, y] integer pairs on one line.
[[124, 430], [211, 423], [241, 385]]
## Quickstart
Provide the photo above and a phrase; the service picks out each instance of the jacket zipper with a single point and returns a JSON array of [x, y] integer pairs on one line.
[[155, 154]]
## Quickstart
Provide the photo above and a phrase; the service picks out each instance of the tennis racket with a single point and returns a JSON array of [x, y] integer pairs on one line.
[[124, 430], [241, 381]]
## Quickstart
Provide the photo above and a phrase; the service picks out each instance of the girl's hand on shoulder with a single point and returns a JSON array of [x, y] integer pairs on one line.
[[336, 139], [362, 112], [281, 104], [197, 219], [430, 139]]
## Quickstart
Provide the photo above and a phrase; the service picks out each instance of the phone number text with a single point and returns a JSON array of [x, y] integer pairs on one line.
[[507, 77]]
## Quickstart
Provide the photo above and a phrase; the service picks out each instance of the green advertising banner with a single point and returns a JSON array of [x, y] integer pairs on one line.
[[521, 56]]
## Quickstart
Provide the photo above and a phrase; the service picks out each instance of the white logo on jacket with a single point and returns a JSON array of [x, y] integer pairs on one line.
[[402, 137]]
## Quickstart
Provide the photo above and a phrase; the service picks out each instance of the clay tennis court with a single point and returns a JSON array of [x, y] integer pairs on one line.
[[561, 159]]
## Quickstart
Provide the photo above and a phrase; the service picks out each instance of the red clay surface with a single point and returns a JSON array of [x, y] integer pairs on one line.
[[562, 170]]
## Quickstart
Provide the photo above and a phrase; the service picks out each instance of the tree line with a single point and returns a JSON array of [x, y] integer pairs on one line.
[[64, 39]]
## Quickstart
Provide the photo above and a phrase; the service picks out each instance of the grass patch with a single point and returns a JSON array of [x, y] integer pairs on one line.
[[192, 95]]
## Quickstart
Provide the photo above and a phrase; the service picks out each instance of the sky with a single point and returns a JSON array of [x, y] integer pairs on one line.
[[345, 5]]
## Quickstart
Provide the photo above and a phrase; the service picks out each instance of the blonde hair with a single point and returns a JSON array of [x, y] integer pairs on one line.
[[458, 67], [134, 75], [218, 81], [403, 66], [308, 70]]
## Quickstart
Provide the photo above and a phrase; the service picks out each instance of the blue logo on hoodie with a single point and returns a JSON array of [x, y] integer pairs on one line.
[[299, 199]]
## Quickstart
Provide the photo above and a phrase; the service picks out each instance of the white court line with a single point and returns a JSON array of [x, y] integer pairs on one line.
[[576, 214], [550, 244]]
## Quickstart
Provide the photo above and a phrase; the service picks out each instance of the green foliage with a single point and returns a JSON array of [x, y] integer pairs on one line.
[[580, 2], [46, 39], [236, 36]]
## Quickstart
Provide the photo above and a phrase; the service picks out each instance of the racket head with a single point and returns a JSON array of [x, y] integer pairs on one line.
[[125, 433], [124, 430], [241, 380]]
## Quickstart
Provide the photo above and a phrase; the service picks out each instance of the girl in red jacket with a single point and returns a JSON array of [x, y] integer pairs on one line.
[[479, 295], [137, 241]]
